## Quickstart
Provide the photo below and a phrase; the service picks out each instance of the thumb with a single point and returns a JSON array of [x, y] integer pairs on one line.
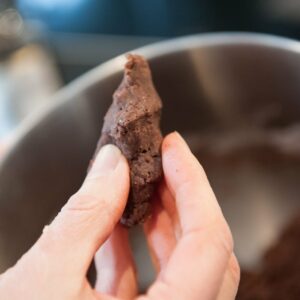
[[90, 215]]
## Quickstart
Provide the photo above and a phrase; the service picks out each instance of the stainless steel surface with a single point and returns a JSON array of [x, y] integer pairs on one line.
[[28, 79], [210, 85]]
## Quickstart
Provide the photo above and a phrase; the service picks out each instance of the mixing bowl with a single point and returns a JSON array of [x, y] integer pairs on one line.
[[234, 97]]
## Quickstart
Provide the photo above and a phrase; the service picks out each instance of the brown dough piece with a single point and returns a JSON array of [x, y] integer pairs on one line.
[[132, 124], [279, 277]]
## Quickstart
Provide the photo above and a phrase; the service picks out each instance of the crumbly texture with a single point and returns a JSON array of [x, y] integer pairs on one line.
[[132, 123], [280, 275]]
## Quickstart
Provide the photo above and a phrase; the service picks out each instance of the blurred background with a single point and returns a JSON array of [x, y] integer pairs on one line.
[[45, 44]]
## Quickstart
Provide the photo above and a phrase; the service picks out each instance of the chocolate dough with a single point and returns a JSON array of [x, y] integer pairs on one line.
[[132, 124], [279, 277]]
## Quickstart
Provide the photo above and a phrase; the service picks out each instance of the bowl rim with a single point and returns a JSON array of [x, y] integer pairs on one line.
[[114, 65]]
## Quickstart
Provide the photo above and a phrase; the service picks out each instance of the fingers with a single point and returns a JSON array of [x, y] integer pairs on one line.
[[168, 203], [195, 201], [90, 215], [231, 280], [116, 274], [160, 236], [198, 263]]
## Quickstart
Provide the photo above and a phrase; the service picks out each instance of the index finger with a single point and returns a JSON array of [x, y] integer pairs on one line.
[[186, 179], [198, 263]]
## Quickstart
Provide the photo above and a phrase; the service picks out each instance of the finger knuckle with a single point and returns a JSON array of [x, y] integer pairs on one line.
[[86, 209], [82, 203]]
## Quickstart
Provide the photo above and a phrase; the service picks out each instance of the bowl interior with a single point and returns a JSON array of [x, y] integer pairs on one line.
[[215, 92]]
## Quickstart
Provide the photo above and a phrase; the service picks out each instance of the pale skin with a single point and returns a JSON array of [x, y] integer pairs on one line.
[[189, 240]]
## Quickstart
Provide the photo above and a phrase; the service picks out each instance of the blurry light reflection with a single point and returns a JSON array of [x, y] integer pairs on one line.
[[50, 4]]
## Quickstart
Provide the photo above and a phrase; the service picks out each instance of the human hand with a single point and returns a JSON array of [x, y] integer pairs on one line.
[[190, 242], [189, 239]]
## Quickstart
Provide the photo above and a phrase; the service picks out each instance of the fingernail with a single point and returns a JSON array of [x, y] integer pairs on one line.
[[177, 134], [106, 160], [179, 137]]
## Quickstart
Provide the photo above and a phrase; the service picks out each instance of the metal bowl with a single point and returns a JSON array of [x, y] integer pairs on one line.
[[221, 91]]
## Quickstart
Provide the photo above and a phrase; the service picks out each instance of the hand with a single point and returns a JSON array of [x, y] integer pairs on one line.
[[189, 239]]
